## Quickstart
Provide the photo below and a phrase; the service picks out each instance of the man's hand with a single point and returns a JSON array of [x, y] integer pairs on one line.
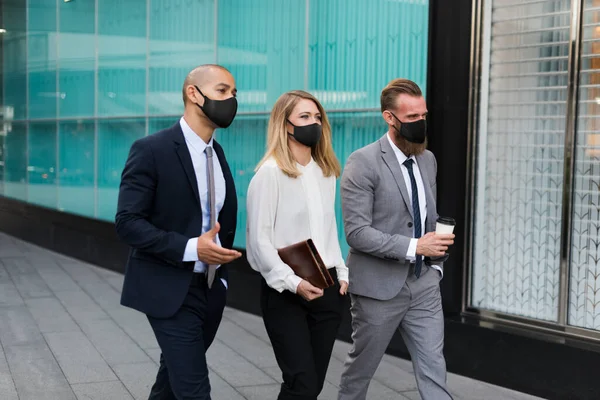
[[211, 253], [434, 245], [343, 287], [308, 291]]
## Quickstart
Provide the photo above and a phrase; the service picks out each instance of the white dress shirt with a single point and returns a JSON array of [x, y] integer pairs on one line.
[[411, 254], [197, 147], [282, 211]]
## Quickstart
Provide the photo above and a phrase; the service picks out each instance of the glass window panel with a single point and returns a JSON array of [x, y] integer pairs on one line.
[[584, 288], [351, 131], [368, 43], [41, 58], [181, 38], [263, 45], [76, 192], [42, 187], [14, 56], [114, 141], [15, 157], [158, 124], [520, 158], [244, 143], [122, 49], [77, 58]]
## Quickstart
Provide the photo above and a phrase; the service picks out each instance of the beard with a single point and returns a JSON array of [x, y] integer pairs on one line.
[[409, 148]]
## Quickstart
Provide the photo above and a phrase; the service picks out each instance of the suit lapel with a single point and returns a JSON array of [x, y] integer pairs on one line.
[[392, 163], [422, 162], [186, 160]]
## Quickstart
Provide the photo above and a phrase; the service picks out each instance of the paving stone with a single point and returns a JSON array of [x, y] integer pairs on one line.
[[233, 368], [219, 389], [50, 315], [81, 306], [18, 326], [251, 348], [137, 378], [57, 279], [101, 391], [79, 360], [115, 346], [36, 373], [8, 391]]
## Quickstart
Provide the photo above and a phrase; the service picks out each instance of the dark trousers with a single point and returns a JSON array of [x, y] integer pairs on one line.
[[184, 339], [302, 334]]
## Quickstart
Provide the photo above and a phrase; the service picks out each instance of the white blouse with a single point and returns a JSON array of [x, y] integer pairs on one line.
[[282, 211]]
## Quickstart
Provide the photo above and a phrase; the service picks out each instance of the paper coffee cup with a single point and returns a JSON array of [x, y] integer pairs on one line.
[[445, 225]]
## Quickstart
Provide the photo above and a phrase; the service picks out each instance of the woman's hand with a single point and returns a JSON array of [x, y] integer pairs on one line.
[[308, 291], [343, 288]]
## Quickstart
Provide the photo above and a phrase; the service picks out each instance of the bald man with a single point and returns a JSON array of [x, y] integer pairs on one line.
[[177, 212]]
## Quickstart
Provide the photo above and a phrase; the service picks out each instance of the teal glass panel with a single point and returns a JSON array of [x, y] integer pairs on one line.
[[15, 156], [352, 131], [368, 43], [244, 143], [14, 56], [263, 44], [122, 57], [41, 58], [114, 141], [77, 58], [181, 38], [158, 124], [42, 187], [76, 192]]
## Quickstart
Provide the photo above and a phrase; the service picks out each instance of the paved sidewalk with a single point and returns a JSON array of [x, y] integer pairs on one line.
[[64, 336]]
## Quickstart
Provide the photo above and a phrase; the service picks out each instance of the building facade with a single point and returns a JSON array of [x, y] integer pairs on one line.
[[83, 79]]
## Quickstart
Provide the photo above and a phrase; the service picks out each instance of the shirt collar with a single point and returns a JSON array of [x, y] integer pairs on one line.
[[191, 137], [399, 154]]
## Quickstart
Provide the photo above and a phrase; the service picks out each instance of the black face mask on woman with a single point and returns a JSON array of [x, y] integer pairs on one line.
[[221, 112], [308, 135], [414, 132]]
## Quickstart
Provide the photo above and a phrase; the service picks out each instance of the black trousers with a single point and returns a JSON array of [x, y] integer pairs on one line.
[[302, 334], [184, 339]]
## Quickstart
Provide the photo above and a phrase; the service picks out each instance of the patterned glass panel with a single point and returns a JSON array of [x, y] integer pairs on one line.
[[368, 43], [15, 158], [584, 298], [114, 140], [42, 164], [181, 37], [122, 49], [520, 158]]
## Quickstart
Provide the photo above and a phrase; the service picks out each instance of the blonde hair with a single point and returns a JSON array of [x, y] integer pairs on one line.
[[277, 138]]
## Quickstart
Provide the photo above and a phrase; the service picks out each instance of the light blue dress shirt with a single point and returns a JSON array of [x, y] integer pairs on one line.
[[196, 146]]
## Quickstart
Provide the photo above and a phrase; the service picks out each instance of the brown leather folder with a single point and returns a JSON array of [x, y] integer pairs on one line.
[[304, 259]]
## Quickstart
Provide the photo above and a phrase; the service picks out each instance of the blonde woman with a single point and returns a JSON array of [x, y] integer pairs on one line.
[[290, 199]]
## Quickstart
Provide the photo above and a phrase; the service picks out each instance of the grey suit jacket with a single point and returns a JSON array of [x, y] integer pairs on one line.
[[378, 218]]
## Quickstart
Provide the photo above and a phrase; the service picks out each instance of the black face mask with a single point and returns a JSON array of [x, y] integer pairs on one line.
[[308, 135], [221, 112], [414, 132]]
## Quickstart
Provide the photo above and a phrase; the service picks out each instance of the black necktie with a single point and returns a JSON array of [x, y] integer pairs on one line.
[[416, 211]]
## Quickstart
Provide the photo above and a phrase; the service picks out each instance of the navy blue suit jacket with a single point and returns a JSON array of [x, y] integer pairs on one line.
[[158, 212]]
